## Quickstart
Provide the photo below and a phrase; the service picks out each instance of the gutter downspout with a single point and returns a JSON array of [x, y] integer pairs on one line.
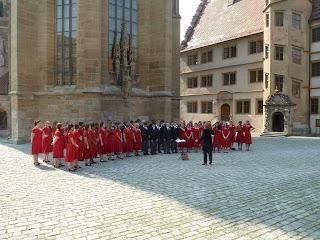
[[309, 67]]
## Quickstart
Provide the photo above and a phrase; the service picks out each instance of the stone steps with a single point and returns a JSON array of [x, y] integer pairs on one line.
[[274, 134]]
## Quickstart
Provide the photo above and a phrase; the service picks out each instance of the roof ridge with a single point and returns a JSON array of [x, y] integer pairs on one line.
[[194, 23]]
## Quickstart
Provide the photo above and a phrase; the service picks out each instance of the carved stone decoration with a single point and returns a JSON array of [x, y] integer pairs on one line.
[[3, 53], [124, 62], [123, 46], [116, 58], [131, 58], [126, 85], [278, 103]]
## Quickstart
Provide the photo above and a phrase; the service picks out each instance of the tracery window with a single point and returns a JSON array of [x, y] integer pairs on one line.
[[1, 9], [66, 42], [123, 11]]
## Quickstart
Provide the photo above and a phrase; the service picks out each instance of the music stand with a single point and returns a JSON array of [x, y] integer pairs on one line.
[[184, 154]]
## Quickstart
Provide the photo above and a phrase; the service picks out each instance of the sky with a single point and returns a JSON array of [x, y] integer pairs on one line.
[[187, 10]]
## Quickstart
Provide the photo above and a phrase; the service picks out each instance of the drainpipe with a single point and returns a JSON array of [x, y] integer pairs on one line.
[[309, 67]]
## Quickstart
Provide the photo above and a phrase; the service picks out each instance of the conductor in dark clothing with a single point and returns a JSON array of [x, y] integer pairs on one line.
[[207, 143], [145, 138], [154, 136]]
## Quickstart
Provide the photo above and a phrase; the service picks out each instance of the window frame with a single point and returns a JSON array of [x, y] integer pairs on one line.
[[296, 85], [258, 112], [193, 60], [258, 73], [267, 20], [279, 22], [315, 72], [66, 61], [229, 52], [205, 80], [256, 46], [243, 109], [209, 110], [314, 108], [315, 34], [296, 21], [276, 83], [192, 82], [279, 56], [192, 107], [296, 58], [229, 78]]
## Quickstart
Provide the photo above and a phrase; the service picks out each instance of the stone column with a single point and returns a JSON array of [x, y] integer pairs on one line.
[[24, 72]]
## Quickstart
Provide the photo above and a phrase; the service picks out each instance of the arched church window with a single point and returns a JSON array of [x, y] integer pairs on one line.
[[3, 120], [123, 12], [1, 9], [66, 42]]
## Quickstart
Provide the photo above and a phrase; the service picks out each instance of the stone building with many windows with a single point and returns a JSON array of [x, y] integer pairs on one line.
[[250, 60], [79, 60]]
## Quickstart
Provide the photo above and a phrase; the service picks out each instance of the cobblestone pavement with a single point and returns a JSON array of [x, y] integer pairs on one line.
[[272, 192]]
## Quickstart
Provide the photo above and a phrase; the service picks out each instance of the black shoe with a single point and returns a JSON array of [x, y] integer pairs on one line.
[[204, 164], [210, 163]]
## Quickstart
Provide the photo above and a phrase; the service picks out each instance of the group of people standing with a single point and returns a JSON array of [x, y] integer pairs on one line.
[[71, 143]]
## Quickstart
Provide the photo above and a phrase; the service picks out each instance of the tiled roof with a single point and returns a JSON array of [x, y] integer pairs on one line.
[[315, 10], [220, 22]]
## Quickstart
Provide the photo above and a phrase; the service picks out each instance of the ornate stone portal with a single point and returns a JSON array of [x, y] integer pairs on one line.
[[278, 110]]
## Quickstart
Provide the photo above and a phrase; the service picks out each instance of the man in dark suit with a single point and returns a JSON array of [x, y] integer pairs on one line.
[[145, 138], [175, 135], [167, 136], [161, 128], [154, 136]]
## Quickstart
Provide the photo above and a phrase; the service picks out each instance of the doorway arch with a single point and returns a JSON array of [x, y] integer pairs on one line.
[[225, 112], [278, 122]]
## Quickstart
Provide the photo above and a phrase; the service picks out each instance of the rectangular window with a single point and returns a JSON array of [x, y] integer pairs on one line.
[[206, 107], [255, 47], [316, 69], [279, 19], [192, 60], [230, 52], [266, 51], [256, 76], [279, 82], [229, 79], [192, 82], [243, 107], [192, 107], [259, 106], [267, 20], [206, 81], [296, 55], [296, 21], [296, 89], [66, 42], [206, 57], [316, 34], [314, 106], [279, 53], [210, 57], [266, 80]]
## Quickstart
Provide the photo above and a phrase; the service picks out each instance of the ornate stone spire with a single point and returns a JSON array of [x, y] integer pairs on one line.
[[123, 46], [116, 56], [132, 57]]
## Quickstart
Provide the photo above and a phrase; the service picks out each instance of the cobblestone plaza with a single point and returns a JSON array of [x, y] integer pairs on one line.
[[272, 192]]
